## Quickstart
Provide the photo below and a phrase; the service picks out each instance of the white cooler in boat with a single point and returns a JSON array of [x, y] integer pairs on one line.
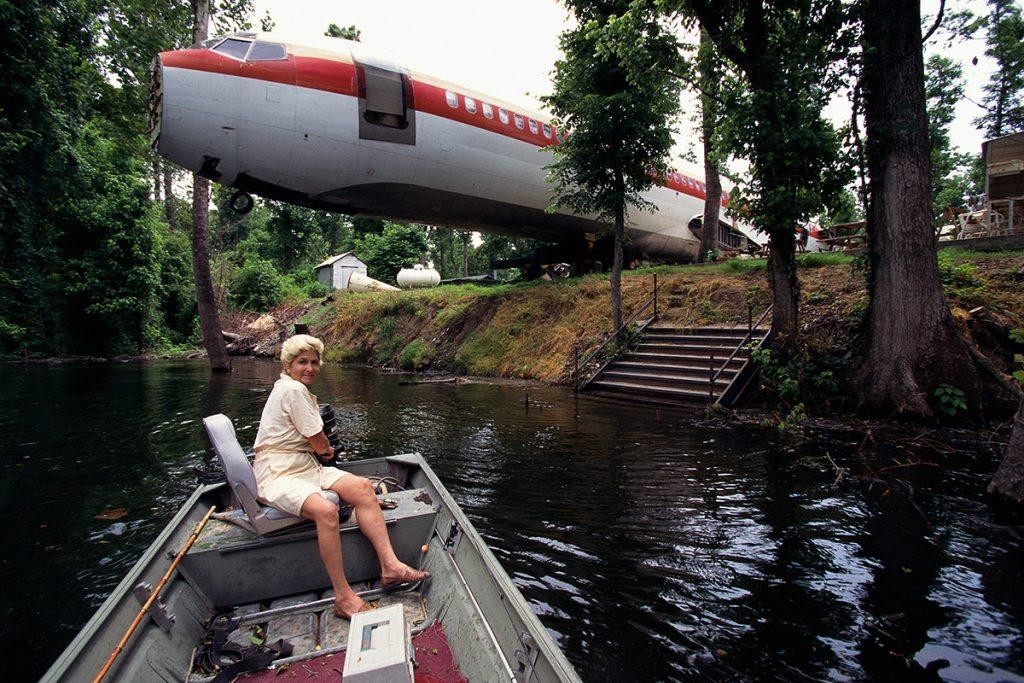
[[379, 647]]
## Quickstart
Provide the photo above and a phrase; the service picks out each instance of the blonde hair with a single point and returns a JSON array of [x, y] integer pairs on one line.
[[295, 345]]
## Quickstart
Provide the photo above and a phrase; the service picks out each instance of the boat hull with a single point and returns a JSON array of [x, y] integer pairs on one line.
[[492, 632]]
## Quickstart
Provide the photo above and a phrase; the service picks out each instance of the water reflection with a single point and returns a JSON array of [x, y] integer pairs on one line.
[[652, 547]]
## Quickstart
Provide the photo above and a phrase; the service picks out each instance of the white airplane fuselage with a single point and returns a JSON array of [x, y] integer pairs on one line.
[[344, 130]]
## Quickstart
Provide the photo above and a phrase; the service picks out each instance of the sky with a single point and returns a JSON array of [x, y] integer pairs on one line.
[[508, 49]]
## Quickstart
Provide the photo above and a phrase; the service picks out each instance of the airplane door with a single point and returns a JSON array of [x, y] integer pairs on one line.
[[386, 108]]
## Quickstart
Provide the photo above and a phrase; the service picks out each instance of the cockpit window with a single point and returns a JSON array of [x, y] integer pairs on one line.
[[263, 52], [208, 43], [232, 47]]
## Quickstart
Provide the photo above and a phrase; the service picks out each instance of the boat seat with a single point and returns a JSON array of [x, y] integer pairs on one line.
[[258, 517]]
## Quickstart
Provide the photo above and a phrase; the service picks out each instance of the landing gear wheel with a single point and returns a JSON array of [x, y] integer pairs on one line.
[[241, 202]]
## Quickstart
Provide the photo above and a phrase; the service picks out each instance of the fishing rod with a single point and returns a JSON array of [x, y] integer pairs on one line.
[[153, 596]]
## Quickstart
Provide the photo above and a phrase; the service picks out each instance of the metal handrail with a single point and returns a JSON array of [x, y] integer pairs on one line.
[[750, 331], [653, 300]]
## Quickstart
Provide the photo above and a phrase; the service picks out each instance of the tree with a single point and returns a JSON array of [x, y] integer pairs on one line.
[[785, 61], [706, 61], [398, 246], [912, 345], [45, 62], [348, 33], [445, 248], [497, 248], [843, 209], [106, 219], [209, 318], [614, 93], [1004, 93], [944, 88]]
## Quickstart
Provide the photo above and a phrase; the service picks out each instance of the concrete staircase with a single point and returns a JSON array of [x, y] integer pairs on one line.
[[673, 366]]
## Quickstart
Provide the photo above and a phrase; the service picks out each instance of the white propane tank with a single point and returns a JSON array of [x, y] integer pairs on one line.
[[361, 283], [418, 276]]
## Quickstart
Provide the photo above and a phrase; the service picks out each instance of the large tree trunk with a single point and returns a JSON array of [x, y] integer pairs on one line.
[[620, 238], [912, 344], [712, 204], [1008, 483], [785, 291], [712, 181], [209, 319], [169, 207]]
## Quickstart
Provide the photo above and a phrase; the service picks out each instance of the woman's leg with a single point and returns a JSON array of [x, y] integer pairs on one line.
[[358, 492], [325, 514]]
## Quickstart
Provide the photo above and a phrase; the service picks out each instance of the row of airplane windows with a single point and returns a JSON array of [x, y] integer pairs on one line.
[[521, 122], [685, 180]]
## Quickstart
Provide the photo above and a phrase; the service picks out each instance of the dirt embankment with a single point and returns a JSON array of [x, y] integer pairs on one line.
[[532, 330]]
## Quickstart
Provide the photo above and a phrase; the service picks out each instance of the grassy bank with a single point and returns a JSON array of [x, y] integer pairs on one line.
[[531, 330]]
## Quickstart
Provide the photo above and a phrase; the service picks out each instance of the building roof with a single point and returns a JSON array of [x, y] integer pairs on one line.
[[332, 259]]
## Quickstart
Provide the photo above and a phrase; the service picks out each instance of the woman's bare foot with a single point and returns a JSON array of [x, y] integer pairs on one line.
[[345, 607], [400, 573]]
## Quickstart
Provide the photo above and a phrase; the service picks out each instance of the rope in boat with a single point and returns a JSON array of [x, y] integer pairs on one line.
[[153, 596]]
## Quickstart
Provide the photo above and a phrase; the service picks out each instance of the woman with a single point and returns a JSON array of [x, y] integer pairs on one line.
[[290, 445]]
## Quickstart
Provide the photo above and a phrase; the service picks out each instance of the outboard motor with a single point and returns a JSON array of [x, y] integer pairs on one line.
[[331, 430]]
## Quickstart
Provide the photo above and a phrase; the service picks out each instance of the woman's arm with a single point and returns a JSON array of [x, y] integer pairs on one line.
[[321, 446]]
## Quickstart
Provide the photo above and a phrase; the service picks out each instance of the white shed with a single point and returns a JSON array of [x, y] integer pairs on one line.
[[336, 271]]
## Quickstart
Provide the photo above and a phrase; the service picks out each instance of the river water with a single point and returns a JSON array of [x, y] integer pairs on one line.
[[652, 547]]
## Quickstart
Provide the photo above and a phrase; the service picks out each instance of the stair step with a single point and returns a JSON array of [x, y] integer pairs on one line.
[[738, 332], [696, 382], [679, 403], [722, 352], [670, 369], [697, 360], [712, 339], [633, 387]]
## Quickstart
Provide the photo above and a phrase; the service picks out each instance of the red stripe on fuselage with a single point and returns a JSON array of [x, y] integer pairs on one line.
[[336, 76]]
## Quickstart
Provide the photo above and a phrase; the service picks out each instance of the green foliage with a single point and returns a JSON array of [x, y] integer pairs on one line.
[[348, 32], [303, 284], [174, 319], [614, 92], [1017, 337], [415, 356], [842, 208], [399, 246], [791, 423], [821, 259], [257, 285], [951, 400], [798, 164], [958, 278], [737, 265], [46, 87], [106, 219], [793, 381], [1004, 92], [297, 236], [951, 171]]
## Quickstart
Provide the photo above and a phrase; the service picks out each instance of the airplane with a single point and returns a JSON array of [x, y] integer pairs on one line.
[[342, 127]]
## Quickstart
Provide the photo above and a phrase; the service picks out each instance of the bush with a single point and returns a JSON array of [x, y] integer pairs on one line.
[[956, 275], [302, 284], [257, 285]]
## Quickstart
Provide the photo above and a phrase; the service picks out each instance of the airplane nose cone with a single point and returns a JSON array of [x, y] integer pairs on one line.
[[156, 102]]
